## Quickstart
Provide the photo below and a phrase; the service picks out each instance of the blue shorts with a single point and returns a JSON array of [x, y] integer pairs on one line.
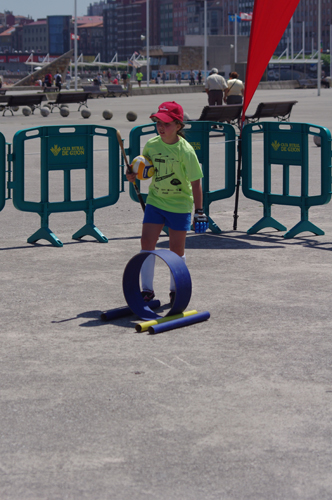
[[176, 221]]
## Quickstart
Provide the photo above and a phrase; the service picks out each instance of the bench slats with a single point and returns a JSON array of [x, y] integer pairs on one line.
[[281, 110], [70, 98], [230, 114], [114, 90], [23, 100]]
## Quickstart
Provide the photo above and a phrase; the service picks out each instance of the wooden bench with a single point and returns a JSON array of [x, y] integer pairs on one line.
[[306, 83], [311, 83], [114, 90], [31, 100], [230, 114], [280, 110], [94, 90], [3, 101], [70, 98]]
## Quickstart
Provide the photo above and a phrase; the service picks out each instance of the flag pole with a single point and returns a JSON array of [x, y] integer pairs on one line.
[[205, 40], [75, 43], [235, 40], [238, 180], [319, 34], [147, 43]]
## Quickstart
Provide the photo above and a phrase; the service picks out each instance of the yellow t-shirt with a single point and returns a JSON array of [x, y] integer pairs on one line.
[[176, 166]]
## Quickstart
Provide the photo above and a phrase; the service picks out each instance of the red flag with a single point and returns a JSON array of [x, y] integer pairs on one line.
[[269, 21]]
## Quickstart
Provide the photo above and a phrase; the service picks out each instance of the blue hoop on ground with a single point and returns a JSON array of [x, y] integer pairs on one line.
[[132, 291]]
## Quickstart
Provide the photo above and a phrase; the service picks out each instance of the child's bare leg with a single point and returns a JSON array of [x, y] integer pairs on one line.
[[150, 235], [177, 242]]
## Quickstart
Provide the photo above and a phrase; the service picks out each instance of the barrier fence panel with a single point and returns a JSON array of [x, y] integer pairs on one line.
[[65, 149], [286, 145], [2, 171], [135, 149], [198, 135]]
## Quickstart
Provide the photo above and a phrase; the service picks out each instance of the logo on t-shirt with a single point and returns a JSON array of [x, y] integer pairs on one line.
[[175, 182]]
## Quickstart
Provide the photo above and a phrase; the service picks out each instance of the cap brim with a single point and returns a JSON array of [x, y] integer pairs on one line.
[[163, 117]]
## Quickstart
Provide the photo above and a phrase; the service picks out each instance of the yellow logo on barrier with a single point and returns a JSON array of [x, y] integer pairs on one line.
[[275, 145], [56, 150], [196, 145], [73, 151], [68, 150], [290, 147]]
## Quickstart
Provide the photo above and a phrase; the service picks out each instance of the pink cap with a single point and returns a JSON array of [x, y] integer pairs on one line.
[[168, 112]]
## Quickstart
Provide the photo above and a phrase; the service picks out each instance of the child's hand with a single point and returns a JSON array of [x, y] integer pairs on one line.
[[200, 222], [131, 176]]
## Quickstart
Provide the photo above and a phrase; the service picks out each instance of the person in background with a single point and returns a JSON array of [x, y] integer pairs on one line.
[[192, 77], [163, 77], [124, 77], [235, 90], [58, 80], [199, 77], [139, 77], [48, 80], [115, 81], [0, 81], [68, 80], [214, 87]]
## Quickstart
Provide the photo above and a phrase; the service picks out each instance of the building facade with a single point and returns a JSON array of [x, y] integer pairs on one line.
[[96, 9], [91, 38], [59, 28], [35, 37]]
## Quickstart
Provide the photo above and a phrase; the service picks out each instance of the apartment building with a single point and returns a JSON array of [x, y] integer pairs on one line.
[[35, 36]]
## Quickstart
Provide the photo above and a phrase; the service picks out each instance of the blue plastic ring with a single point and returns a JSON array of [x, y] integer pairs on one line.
[[132, 291]]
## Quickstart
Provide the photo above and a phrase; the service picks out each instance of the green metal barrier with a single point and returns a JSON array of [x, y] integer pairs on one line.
[[286, 145], [197, 134], [65, 148], [2, 171]]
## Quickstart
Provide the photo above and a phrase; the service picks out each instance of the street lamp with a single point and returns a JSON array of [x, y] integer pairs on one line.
[[75, 42], [319, 34], [205, 39], [330, 50], [147, 43]]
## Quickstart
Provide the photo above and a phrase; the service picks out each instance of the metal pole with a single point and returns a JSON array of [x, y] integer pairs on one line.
[[303, 40], [205, 40], [235, 40], [147, 43], [287, 52], [319, 35], [75, 43], [292, 38], [330, 50]]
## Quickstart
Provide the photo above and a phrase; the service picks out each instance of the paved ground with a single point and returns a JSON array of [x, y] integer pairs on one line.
[[238, 407]]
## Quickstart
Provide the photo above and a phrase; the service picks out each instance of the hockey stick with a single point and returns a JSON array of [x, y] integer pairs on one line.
[[139, 196]]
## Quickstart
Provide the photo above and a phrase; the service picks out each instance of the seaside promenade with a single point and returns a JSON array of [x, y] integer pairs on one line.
[[235, 408]]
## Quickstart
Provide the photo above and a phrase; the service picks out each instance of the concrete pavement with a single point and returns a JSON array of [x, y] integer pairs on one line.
[[236, 408]]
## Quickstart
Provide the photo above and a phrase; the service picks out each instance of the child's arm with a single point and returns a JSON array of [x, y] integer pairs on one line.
[[197, 194], [201, 221]]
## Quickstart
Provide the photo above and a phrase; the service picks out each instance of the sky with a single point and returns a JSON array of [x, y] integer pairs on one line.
[[41, 8]]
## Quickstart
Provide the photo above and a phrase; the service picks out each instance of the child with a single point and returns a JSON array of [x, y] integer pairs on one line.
[[175, 186]]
